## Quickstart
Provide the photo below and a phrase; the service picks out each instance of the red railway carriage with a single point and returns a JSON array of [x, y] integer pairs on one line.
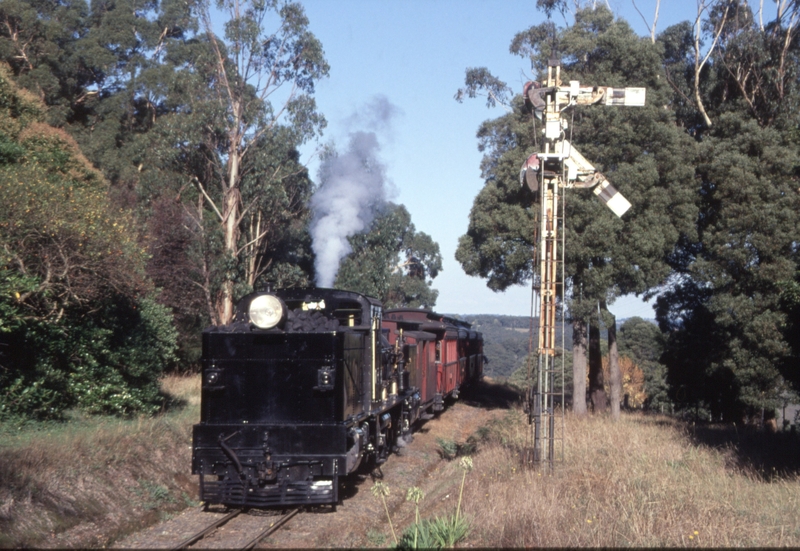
[[451, 359], [419, 350]]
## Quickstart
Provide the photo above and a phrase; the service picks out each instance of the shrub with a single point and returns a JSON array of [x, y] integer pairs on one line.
[[108, 362], [436, 533], [77, 325], [450, 449]]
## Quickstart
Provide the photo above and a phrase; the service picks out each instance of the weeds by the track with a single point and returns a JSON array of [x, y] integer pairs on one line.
[[442, 531], [99, 476], [643, 481]]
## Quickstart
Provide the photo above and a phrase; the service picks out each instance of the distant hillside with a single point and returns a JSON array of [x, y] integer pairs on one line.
[[506, 340]]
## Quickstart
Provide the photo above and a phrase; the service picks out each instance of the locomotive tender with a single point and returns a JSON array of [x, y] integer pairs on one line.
[[309, 385]]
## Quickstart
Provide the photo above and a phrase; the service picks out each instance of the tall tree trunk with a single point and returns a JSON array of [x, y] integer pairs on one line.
[[230, 222], [613, 361], [597, 392], [579, 367]]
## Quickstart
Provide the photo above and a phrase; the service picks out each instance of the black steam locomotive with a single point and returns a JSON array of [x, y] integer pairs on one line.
[[309, 385]]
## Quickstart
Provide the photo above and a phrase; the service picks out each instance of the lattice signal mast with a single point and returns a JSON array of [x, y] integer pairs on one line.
[[548, 173]]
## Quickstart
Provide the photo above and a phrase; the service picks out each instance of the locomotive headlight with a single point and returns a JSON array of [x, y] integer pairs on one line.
[[266, 311]]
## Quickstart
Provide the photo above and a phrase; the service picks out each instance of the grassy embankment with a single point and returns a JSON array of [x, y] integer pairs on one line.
[[644, 481], [85, 482]]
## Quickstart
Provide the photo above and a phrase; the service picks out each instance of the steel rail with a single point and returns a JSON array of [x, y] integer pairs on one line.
[[272, 528], [189, 541]]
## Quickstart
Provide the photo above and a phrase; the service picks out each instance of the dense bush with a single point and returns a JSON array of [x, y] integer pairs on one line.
[[79, 326], [108, 362]]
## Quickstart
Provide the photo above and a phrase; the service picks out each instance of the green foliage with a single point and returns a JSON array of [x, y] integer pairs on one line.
[[78, 326], [10, 151], [128, 359], [144, 108], [641, 150], [442, 531], [110, 362], [729, 318], [392, 262], [643, 342], [714, 205], [153, 495], [236, 159], [437, 533], [448, 449]]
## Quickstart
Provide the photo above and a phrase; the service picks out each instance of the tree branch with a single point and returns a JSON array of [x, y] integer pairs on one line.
[[698, 65], [655, 20], [199, 185]]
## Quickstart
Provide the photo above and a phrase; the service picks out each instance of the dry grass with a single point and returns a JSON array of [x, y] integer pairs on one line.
[[182, 387], [640, 482], [89, 480], [643, 481]]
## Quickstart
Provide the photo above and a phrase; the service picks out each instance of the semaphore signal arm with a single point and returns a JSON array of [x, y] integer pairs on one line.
[[559, 156]]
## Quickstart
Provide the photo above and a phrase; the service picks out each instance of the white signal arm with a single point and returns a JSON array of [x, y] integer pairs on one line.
[[582, 174]]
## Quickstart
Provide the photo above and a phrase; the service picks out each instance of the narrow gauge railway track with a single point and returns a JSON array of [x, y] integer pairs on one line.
[[279, 521]]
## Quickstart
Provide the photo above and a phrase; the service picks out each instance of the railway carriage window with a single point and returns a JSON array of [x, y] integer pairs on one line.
[[438, 351]]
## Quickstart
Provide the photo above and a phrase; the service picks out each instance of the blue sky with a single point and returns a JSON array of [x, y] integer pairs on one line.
[[415, 53]]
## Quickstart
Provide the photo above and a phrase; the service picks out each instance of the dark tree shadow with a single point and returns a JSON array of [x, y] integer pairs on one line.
[[490, 395], [170, 402], [766, 454]]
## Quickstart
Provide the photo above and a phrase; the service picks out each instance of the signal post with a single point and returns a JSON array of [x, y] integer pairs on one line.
[[548, 174]]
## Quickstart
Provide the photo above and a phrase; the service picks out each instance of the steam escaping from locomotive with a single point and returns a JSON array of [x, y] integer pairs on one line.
[[353, 190]]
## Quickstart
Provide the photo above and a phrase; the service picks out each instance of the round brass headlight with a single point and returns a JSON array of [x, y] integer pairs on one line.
[[265, 311]]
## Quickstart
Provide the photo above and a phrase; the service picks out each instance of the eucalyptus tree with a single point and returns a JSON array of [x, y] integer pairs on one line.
[[41, 41], [392, 261], [102, 69], [264, 73], [236, 108], [642, 151], [730, 314], [149, 91]]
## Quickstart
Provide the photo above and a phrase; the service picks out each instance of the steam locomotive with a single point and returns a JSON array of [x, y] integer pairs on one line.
[[306, 386]]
